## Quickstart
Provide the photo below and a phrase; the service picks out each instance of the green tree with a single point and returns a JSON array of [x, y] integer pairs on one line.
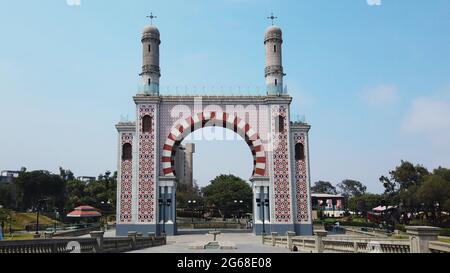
[[93, 194], [66, 175], [75, 194], [36, 185], [6, 195], [5, 215], [403, 177], [402, 185], [446, 205], [407, 175], [365, 202], [350, 188], [409, 200], [434, 193], [390, 187], [186, 193], [224, 189], [444, 173], [324, 187]]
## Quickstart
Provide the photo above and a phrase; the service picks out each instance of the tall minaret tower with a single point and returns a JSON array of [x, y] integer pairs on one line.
[[151, 71], [274, 67]]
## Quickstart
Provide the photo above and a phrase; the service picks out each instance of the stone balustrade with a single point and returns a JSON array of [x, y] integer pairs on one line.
[[96, 244], [76, 232], [421, 240], [439, 247]]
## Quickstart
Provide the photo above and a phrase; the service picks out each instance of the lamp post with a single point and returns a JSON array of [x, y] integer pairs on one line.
[[438, 212], [56, 220], [264, 203], [163, 202], [105, 205], [39, 206], [191, 204], [238, 204], [10, 225]]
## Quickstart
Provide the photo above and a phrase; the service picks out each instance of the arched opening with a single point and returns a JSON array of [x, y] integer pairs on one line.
[[214, 119], [229, 162], [147, 124], [127, 152], [229, 150], [235, 204], [299, 151]]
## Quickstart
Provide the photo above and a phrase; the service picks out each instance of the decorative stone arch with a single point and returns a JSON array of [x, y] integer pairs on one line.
[[146, 184], [209, 119]]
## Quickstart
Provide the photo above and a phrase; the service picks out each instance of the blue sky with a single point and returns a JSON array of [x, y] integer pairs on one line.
[[372, 80]]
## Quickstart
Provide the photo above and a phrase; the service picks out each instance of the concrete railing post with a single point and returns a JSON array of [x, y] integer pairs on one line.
[[290, 235], [132, 235], [274, 238], [98, 236], [355, 247], [319, 240], [419, 237]]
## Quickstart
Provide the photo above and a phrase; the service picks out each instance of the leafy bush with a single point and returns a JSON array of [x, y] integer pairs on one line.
[[358, 224], [345, 223], [400, 227]]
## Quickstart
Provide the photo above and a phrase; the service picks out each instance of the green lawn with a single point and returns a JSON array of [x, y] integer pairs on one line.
[[20, 220], [26, 236]]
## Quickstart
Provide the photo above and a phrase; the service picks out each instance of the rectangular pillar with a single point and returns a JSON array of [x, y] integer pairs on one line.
[[301, 178], [167, 205]]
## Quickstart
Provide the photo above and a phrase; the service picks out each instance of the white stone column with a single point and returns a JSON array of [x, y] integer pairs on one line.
[[420, 237]]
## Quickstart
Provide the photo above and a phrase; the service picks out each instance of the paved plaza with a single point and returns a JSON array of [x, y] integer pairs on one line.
[[244, 242]]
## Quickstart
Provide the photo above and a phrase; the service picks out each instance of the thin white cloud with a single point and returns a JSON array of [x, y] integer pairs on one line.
[[380, 95], [73, 2], [430, 117], [374, 2]]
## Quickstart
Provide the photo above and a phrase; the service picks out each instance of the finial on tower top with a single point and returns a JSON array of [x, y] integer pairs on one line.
[[151, 16], [272, 17]]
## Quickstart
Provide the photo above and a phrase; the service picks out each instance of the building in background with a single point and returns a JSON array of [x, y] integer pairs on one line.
[[184, 164], [86, 179], [8, 176], [331, 205]]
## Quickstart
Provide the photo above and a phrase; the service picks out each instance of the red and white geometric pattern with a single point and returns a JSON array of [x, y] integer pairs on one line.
[[301, 182], [205, 119], [147, 168], [281, 187], [126, 183]]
